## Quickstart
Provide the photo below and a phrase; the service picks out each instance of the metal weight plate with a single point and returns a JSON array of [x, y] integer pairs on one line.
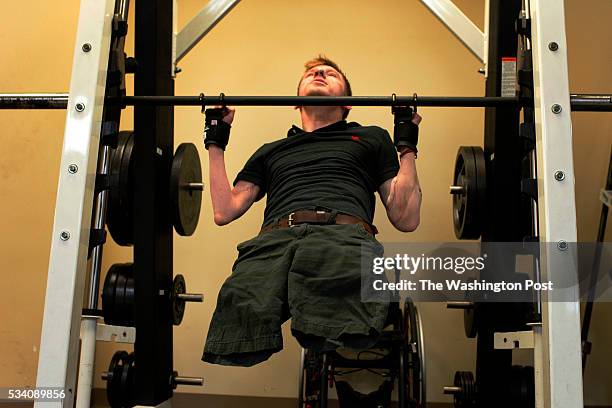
[[186, 189], [469, 199], [120, 306], [178, 305], [108, 295], [118, 295], [113, 382], [129, 299], [124, 298], [120, 194], [127, 380], [467, 397]]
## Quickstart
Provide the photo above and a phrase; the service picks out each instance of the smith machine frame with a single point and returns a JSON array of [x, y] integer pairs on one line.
[[79, 212]]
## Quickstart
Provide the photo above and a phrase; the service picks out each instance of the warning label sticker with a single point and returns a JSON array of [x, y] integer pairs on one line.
[[508, 77]]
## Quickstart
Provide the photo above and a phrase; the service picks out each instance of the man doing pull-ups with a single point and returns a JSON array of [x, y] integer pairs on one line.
[[306, 261]]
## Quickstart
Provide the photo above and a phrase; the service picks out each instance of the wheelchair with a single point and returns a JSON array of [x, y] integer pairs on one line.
[[398, 356]]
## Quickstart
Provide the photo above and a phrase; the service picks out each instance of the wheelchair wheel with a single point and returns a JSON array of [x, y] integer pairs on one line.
[[313, 380], [301, 379], [414, 357]]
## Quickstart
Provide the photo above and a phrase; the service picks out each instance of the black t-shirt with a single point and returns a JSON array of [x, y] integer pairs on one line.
[[337, 167]]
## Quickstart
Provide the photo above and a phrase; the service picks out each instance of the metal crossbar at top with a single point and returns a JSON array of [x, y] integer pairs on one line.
[[461, 26], [445, 10], [199, 26], [579, 102]]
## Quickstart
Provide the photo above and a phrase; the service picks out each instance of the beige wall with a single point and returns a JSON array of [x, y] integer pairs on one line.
[[392, 46]]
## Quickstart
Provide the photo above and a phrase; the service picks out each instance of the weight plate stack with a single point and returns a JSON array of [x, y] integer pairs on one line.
[[466, 398], [121, 192], [120, 380], [186, 189], [118, 295], [470, 193]]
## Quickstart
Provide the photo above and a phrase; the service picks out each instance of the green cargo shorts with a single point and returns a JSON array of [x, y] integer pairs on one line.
[[309, 273]]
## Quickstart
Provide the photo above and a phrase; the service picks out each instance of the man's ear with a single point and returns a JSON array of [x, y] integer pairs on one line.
[[348, 108], [297, 107]]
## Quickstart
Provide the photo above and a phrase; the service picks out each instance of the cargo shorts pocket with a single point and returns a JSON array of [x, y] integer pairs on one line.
[[377, 247]]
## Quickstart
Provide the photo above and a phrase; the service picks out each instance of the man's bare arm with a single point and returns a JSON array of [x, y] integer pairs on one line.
[[228, 203], [401, 196]]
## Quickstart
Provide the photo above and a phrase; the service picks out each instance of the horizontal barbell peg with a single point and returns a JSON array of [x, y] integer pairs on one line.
[[452, 390], [190, 297], [457, 190], [194, 186], [188, 380], [460, 305]]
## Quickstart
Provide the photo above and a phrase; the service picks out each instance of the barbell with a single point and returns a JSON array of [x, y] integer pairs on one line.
[[578, 102]]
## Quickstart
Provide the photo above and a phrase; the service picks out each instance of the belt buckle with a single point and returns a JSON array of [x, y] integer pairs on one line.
[[290, 220]]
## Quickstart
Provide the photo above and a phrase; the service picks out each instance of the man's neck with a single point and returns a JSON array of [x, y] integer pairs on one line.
[[316, 117]]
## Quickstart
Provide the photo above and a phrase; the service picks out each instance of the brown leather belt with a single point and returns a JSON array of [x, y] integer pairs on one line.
[[320, 218]]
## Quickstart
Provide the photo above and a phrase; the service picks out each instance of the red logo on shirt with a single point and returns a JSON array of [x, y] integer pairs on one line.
[[355, 138]]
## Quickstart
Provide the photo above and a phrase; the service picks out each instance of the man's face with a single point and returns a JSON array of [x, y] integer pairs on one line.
[[322, 80]]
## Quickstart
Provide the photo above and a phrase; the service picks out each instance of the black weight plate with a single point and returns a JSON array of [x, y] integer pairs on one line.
[[129, 299], [458, 398], [471, 387], [468, 206], [120, 195], [126, 384], [459, 200], [185, 202], [462, 203], [481, 190], [113, 384], [178, 305], [481, 183], [116, 306], [108, 295], [125, 295], [115, 212], [467, 397], [120, 305]]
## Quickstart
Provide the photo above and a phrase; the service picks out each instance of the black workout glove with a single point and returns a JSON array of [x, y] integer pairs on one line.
[[216, 130], [405, 131]]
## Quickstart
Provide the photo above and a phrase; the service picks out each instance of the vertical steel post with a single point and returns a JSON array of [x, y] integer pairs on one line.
[[153, 152], [557, 342], [59, 345], [501, 146]]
